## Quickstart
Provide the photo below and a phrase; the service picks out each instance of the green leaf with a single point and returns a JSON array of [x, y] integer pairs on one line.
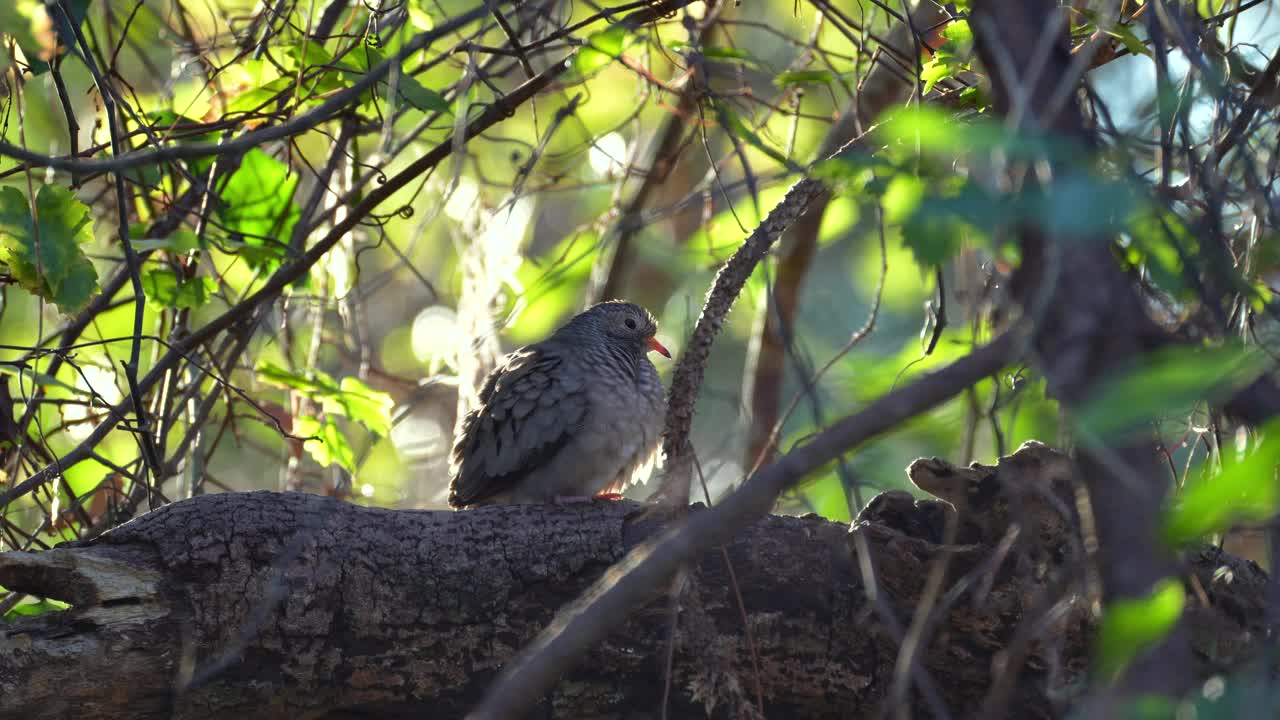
[[1166, 382], [358, 401], [1081, 204], [257, 206], [329, 445], [17, 20], [351, 398], [934, 131], [1132, 625], [1245, 490], [26, 21], [35, 607], [935, 228], [181, 241], [1125, 35], [734, 125], [901, 197], [958, 31], [257, 99], [934, 70], [803, 77], [316, 384], [420, 96], [601, 49], [44, 253], [165, 290], [728, 54]]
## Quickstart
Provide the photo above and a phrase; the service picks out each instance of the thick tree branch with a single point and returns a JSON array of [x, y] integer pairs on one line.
[[646, 568], [264, 605]]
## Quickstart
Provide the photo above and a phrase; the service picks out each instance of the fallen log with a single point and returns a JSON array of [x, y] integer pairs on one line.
[[263, 605]]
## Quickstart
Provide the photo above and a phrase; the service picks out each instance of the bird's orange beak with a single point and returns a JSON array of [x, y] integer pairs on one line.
[[655, 345]]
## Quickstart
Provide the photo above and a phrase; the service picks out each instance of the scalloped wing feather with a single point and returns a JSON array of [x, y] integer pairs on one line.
[[528, 412]]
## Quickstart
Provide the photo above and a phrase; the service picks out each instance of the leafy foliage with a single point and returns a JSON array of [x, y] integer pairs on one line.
[[43, 251]]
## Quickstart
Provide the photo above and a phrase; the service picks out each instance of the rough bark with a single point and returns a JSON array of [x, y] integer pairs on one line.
[[262, 605]]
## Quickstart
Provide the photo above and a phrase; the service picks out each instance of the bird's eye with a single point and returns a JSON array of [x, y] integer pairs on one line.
[[631, 324]]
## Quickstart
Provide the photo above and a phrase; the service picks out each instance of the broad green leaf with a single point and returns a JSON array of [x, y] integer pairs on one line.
[[329, 445], [165, 290], [1132, 625], [935, 131], [601, 49], [358, 401], [18, 18], [937, 224], [27, 21], [41, 379], [933, 71], [306, 55], [262, 98], [733, 124], [1245, 490], [803, 77], [408, 89], [1166, 382], [316, 383], [958, 31], [44, 253], [181, 241], [350, 398], [901, 197], [421, 97], [35, 607], [1125, 35], [1082, 204], [257, 206]]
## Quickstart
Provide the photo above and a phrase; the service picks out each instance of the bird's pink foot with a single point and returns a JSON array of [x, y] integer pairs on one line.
[[577, 499]]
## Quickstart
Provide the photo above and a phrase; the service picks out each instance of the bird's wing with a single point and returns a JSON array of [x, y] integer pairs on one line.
[[529, 409]]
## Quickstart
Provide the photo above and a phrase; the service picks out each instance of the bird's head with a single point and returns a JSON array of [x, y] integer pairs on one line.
[[621, 322]]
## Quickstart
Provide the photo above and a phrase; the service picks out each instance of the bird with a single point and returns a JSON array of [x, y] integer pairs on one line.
[[565, 418]]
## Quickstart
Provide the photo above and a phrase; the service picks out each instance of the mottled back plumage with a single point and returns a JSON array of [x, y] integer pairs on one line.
[[571, 415]]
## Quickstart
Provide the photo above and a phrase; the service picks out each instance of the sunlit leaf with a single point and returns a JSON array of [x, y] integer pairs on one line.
[[164, 289], [734, 124], [259, 98], [328, 446], [182, 240], [958, 31], [1166, 382], [258, 206], [44, 253], [933, 71], [1125, 35], [601, 49], [316, 383], [35, 607], [902, 197], [363, 404], [1130, 626], [1245, 490]]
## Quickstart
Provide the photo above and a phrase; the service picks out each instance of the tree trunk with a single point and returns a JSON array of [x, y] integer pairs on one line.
[[265, 605]]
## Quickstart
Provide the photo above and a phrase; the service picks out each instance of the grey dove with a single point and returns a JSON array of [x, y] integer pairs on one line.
[[568, 417]]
